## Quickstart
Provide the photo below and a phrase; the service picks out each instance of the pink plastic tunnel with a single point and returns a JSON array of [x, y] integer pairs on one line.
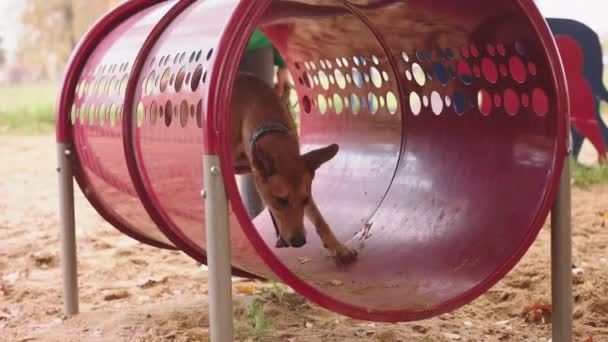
[[451, 117]]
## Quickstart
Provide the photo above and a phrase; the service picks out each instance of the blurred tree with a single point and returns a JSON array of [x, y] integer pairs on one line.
[[48, 35], [52, 29], [2, 54]]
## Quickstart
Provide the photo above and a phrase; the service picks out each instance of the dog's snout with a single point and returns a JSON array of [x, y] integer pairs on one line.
[[298, 241]]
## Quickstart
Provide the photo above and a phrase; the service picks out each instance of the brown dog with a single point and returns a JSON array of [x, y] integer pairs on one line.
[[265, 143]]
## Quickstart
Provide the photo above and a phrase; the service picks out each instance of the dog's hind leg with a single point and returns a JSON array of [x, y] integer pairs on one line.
[[342, 253]]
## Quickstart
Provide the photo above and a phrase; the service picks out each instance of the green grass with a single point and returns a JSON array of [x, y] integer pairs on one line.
[[257, 325], [257, 318], [257, 322], [584, 176], [27, 108]]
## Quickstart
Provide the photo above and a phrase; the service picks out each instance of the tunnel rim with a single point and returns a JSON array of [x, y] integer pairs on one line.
[[226, 69], [163, 223], [65, 100]]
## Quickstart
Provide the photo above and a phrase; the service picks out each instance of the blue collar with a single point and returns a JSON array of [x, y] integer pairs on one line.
[[267, 128]]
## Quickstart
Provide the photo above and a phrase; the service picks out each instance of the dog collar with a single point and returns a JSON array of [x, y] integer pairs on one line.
[[267, 128]]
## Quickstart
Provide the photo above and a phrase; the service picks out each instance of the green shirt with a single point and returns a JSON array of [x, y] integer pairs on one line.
[[259, 40]]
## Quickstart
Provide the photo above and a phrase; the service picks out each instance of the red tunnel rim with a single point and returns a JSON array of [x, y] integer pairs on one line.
[[65, 99], [162, 221], [225, 70]]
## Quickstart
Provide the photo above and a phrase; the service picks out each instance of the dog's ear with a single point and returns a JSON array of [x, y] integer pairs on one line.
[[262, 162], [314, 159]]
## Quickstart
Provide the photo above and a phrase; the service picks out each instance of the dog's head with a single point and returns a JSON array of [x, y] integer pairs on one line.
[[285, 187]]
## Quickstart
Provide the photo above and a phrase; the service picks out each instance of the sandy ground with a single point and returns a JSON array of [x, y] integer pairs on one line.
[[131, 292]]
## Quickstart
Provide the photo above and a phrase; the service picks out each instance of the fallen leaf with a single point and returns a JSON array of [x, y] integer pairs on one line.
[[11, 278], [115, 295], [197, 334], [139, 262], [14, 311], [143, 299], [360, 332], [336, 282], [123, 252], [26, 339], [102, 245], [588, 286], [304, 260], [577, 270], [420, 329], [391, 284], [150, 282], [43, 259], [537, 313], [455, 337], [386, 336], [245, 289], [52, 311], [309, 325]]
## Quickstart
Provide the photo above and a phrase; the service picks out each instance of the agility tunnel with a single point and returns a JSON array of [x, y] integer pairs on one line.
[[451, 117]]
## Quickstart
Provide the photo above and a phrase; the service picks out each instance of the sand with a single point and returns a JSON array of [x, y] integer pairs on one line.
[[132, 292]]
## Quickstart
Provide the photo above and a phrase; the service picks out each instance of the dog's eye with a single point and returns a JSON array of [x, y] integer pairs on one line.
[[305, 201], [282, 202]]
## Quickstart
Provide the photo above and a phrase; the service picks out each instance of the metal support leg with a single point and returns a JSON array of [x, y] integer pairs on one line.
[[561, 260], [218, 252], [67, 223]]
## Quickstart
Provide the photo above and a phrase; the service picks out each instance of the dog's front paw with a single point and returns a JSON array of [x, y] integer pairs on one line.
[[344, 255], [281, 243]]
